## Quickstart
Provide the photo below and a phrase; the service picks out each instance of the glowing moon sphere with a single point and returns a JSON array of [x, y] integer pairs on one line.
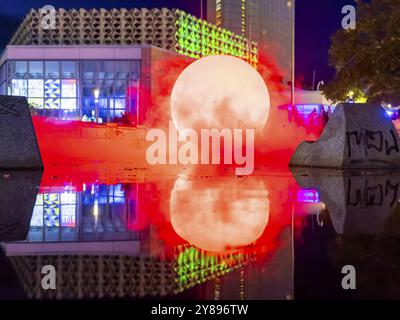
[[221, 92], [219, 216]]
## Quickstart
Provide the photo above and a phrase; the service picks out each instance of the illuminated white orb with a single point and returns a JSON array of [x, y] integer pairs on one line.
[[220, 92]]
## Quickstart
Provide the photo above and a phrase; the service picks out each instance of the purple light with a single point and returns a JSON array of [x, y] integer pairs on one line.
[[308, 196]]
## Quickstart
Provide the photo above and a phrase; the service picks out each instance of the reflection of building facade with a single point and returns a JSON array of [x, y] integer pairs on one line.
[[267, 22], [92, 66], [194, 266], [98, 213], [108, 241], [91, 234], [123, 276], [90, 276]]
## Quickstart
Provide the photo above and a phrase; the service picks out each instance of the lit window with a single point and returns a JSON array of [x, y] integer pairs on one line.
[[35, 88], [69, 104], [89, 69], [122, 69], [20, 69], [68, 69], [36, 103], [52, 93], [37, 216], [68, 88], [68, 218], [106, 70], [52, 103], [51, 203], [52, 69], [52, 89], [19, 87], [35, 69]]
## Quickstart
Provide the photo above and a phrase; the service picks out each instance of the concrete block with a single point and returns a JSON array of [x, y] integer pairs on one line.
[[356, 136], [18, 144], [18, 192]]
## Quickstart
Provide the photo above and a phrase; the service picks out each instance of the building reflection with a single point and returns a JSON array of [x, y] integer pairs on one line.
[[97, 213], [123, 276], [360, 227], [135, 240], [217, 238]]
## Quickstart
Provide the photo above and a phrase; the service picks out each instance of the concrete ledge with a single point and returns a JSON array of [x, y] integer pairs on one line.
[[356, 136]]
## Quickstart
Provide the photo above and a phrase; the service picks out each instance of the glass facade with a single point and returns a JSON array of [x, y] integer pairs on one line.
[[97, 213], [88, 90]]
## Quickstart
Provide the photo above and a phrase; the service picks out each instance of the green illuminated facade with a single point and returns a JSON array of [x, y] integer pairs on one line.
[[117, 276], [173, 30], [197, 38], [194, 266]]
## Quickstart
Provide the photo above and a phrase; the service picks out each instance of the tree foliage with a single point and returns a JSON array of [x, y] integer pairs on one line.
[[367, 59]]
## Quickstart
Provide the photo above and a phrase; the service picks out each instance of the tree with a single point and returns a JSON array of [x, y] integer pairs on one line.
[[367, 59]]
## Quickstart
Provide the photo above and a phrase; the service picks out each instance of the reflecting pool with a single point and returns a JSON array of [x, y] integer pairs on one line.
[[128, 233]]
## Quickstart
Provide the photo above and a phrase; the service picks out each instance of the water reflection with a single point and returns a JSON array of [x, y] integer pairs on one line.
[[132, 235], [219, 217], [97, 212], [113, 276], [358, 225], [18, 190], [195, 238], [358, 202]]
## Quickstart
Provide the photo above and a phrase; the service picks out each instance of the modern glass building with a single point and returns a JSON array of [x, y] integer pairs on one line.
[[105, 90], [267, 22], [94, 65]]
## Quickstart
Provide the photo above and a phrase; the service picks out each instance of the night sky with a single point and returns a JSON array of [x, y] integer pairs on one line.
[[316, 21]]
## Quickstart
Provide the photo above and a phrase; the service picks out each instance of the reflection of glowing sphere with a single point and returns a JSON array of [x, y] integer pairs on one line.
[[220, 92], [219, 216]]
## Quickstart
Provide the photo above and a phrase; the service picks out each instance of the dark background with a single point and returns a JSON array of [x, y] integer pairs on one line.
[[316, 21]]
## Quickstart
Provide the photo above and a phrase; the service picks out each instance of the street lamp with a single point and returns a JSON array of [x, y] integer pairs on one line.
[[351, 97], [96, 93], [321, 83]]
